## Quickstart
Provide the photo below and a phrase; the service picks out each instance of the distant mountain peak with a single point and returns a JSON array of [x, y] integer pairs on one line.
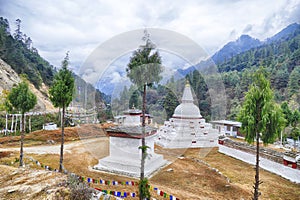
[[243, 43], [285, 33]]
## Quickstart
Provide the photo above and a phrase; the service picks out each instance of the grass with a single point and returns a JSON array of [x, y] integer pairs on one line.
[[44, 136]]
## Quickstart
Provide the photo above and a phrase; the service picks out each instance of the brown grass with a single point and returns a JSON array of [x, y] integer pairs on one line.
[[242, 174], [43, 136], [190, 178]]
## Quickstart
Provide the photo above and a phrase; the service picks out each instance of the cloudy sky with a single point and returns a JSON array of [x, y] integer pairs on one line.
[[79, 26]]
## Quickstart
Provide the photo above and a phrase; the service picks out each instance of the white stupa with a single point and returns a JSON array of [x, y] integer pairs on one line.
[[187, 128], [124, 142]]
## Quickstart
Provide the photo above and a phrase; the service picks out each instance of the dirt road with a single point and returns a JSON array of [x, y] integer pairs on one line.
[[90, 145]]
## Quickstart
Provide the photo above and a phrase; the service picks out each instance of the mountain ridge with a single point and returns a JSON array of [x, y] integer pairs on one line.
[[243, 43], [227, 51]]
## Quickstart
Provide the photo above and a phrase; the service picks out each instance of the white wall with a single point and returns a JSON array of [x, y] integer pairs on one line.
[[277, 168]]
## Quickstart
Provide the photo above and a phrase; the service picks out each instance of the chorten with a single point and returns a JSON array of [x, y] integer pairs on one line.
[[187, 128], [124, 142]]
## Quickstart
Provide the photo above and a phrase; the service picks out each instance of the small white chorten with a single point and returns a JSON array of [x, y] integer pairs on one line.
[[124, 142], [187, 128]]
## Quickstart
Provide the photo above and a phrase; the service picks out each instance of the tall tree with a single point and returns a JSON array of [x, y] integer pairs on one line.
[[261, 118], [295, 132], [294, 81], [144, 69], [288, 115], [61, 95], [18, 34], [21, 99]]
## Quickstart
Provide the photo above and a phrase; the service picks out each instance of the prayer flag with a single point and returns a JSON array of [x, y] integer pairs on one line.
[[161, 193]]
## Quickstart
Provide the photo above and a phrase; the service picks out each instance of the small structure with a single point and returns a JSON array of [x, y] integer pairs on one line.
[[291, 158], [187, 128], [228, 128], [124, 153], [132, 117], [79, 115], [50, 126]]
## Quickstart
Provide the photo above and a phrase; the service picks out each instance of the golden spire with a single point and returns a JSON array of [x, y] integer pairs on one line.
[[187, 83]]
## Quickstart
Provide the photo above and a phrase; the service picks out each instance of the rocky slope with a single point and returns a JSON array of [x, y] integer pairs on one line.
[[9, 78]]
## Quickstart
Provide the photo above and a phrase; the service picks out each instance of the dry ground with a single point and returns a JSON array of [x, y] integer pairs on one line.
[[198, 174]]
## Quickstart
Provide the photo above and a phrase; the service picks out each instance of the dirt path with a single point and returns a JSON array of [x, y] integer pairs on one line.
[[79, 146]]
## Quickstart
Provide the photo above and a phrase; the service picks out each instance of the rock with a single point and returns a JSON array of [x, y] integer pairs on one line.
[[11, 190], [170, 170], [50, 141], [228, 180], [27, 189]]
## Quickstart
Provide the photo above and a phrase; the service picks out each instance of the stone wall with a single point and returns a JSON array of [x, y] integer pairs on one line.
[[264, 152]]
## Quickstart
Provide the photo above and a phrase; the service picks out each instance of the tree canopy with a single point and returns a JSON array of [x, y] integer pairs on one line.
[[61, 92], [259, 113], [21, 99], [144, 66]]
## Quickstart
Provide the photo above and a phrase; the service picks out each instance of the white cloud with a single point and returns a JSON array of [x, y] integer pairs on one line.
[[81, 25]]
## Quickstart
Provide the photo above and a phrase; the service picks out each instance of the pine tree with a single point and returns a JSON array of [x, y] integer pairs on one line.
[[261, 118], [21, 99], [61, 95], [143, 70]]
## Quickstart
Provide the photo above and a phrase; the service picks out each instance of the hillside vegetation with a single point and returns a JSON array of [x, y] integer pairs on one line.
[[279, 55]]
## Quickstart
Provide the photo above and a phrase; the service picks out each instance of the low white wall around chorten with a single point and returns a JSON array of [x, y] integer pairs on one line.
[[187, 134]]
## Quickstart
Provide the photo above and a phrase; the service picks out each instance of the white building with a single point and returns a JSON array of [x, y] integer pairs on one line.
[[187, 128], [226, 127], [50, 126]]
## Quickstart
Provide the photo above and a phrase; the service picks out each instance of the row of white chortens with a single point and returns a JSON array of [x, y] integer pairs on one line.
[[186, 129]]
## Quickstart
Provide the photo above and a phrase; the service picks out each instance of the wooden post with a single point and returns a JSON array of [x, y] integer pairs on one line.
[[16, 124], [24, 129], [29, 124], [12, 123], [6, 121], [21, 123]]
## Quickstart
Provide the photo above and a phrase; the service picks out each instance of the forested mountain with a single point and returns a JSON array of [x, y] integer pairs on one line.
[[17, 51], [286, 33], [281, 58], [279, 55], [242, 44]]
